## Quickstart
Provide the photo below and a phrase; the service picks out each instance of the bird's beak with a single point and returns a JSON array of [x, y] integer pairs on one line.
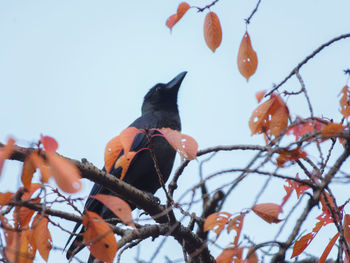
[[175, 83]]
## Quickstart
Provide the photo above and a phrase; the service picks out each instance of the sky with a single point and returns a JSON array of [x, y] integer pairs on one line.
[[78, 71]]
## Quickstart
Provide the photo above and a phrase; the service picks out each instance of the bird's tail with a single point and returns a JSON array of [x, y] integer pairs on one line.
[[76, 245]]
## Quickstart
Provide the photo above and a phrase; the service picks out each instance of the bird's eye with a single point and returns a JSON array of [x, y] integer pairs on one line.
[[158, 88]]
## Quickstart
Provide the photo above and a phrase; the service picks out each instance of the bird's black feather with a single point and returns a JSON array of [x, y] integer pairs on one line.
[[159, 110]]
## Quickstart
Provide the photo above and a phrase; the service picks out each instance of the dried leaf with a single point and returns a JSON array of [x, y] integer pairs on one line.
[[346, 226], [260, 95], [181, 11], [291, 156], [99, 237], [42, 236], [271, 117], [184, 144], [345, 102], [124, 162], [5, 198], [27, 173], [216, 222], [226, 256], [112, 151], [118, 206], [304, 241], [127, 137], [25, 253], [328, 249], [306, 127], [236, 224], [253, 257], [49, 143], [38, 162], [332, 129], [23, 215], [66, 174], [268, 211], [6, 152], [247, 59], [212, 31]]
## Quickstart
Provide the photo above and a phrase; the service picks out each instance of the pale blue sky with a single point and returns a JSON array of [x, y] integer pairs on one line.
[[78, 70]]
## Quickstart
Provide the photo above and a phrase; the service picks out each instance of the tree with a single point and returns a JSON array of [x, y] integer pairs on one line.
[[302, 154]]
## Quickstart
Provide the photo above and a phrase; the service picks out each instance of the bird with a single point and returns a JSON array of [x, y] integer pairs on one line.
[[159, 110]]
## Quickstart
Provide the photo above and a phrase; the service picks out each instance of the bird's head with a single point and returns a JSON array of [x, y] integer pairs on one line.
[[163, 96]]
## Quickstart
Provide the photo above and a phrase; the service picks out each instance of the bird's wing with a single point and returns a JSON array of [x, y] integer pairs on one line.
[[140, 141]]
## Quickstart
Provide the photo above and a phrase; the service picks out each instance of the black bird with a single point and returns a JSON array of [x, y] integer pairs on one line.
[[159, 110]]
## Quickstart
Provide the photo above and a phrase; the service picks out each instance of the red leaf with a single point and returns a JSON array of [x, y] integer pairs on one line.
[[49, 143], [99, 237], [66, 174], [292, 155], [6, 152], [216, 222], [305, 127], [42, 236], [247, 59], [212, 31], [112, 151], [23, 215], [328, 249], [118, 206], [268, 211], [18, 248], [304, 241], [181, 11]]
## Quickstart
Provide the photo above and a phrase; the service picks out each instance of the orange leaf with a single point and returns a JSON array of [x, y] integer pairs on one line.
[[231, 254], [18, 248], [112, 151], [38, 162], [292, 155], [118, 206], [99, 237], [27, 173], [247, 60], [345, 102], [66, 174], [346, 226], [23, 215], [236, 224], [304, 241], [42, 236], [271, 117], [268, 211], [5, 198], [216, 222], [49, 143], [181, 11], [212, 31], [124, 162], [127, 137], [6, 152], [332, 129], [328, 249], [184, 144], [226, 256], [260, 95], [253, 258]]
